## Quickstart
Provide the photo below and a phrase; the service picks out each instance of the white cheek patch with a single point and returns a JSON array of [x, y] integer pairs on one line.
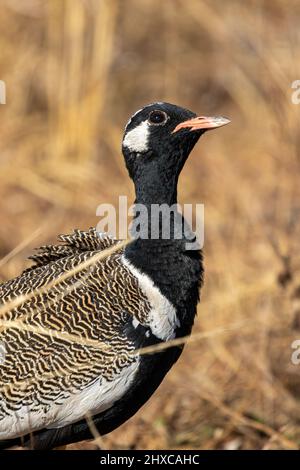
[[137, 139]]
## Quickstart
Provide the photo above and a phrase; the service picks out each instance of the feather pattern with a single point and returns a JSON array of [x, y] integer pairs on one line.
[[64, 340]]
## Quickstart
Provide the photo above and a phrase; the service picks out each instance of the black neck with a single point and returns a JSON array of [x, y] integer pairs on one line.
[[155, 185], [176, 271]]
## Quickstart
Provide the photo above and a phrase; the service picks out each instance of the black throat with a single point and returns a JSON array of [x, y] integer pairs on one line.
[[160, 248]]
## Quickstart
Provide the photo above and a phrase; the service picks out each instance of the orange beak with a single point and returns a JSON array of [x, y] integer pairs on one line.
[[202, 122]]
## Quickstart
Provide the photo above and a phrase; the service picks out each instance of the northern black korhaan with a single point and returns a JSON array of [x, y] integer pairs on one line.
[[68, 344]]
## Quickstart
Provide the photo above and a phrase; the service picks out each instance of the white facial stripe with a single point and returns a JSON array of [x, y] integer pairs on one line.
[[136, 140], [137, 112]]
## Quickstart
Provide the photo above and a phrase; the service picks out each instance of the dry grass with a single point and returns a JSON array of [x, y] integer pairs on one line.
[[75, 70]]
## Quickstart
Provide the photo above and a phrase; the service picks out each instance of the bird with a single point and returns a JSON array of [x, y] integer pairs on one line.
[[74, 324]]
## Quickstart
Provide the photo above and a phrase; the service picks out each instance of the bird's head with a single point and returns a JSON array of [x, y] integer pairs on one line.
[[158, 140]]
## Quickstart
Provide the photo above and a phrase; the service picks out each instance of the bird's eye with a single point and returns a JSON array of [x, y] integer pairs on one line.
[[157, 117]]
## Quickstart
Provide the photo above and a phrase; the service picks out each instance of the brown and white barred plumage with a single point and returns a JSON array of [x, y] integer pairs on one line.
[[62, 340]]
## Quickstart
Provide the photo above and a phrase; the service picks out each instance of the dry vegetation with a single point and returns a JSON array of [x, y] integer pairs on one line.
[[75, 70]]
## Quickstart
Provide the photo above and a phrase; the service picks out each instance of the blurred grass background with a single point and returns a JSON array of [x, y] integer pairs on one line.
[[75, 70]]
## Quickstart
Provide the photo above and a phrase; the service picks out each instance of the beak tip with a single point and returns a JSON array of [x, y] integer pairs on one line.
[[221, 121]]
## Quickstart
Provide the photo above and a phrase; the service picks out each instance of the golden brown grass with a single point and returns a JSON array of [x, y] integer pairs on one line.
[[75, 70]]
